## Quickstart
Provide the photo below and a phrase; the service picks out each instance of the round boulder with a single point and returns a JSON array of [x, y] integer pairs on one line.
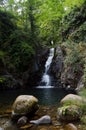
[[69, 113], [24, 104], [72, 99]]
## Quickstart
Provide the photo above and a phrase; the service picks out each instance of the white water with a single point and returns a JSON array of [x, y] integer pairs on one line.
[[46, 79]]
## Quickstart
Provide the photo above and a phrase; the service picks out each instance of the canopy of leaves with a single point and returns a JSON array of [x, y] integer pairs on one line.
[[16, 49], [74, 38]]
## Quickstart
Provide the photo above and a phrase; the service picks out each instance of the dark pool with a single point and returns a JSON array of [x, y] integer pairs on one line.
[[46, 96]]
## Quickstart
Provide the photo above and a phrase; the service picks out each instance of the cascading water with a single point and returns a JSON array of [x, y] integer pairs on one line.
[[46, 79]]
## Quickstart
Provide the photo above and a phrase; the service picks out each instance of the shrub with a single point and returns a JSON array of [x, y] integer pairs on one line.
[[74, 55], [21, 55]]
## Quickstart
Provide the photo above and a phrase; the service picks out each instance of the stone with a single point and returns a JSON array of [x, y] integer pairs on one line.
[[24, 105], [80, 85], [43, 120], [69, 113], [57, 64], [9, 125], [70, 126], [1, 128], [27, 126], [43, 129], [71, 99], [22, 121]]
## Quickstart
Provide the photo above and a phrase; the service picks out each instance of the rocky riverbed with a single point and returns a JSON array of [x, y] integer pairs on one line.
[[7, 124]]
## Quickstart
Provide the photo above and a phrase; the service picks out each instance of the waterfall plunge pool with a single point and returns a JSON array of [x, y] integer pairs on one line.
[[48, 101], [46, 96]]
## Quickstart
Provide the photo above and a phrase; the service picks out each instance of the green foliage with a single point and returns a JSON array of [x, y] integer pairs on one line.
[[1, 54], [83, 120], [72, 21], [74, 38], [21, 54], [79, 34], [74, 57], [48, 20], [82, 93], [84, 73], [2, 58], [72, 102], [68, 4], [70, 112], [7, 26], [2, 79], [16, 48]]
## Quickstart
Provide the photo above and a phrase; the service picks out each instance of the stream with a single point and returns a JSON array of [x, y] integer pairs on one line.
[[47, 94]]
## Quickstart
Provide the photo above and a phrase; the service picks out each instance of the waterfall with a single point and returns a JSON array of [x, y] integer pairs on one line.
[[46, 79]]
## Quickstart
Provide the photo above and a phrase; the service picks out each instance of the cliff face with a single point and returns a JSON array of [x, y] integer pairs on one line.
[[70, 67], [33, 75]]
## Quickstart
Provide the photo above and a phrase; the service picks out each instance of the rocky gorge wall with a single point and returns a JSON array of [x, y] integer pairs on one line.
[[66, 75], [69, 64]]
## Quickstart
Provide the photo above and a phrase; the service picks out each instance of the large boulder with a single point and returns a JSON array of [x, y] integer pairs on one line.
[[72, 99], [71, 107], [24, 105], [69, 113]]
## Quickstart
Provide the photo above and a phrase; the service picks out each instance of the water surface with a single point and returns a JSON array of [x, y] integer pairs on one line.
[[46, 96]]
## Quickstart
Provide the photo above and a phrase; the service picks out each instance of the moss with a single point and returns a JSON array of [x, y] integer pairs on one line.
[[2, 80], [69, 113]]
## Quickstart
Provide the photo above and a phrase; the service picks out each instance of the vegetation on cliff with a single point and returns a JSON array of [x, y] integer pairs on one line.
[[28, 25], [74, 42]]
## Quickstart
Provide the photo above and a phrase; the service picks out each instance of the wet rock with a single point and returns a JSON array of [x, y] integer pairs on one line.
[[27, 126], [43, 120], [9, 125], [80, 84], [22, 121], [69, 113], [43, 129], [57, 65], [70, 126], [1, 128], [69, 77], [72, 99], [23, 105]]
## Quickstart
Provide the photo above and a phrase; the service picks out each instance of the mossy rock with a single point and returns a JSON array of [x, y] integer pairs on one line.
[[24, 105], [69, 113], [72, 99]]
